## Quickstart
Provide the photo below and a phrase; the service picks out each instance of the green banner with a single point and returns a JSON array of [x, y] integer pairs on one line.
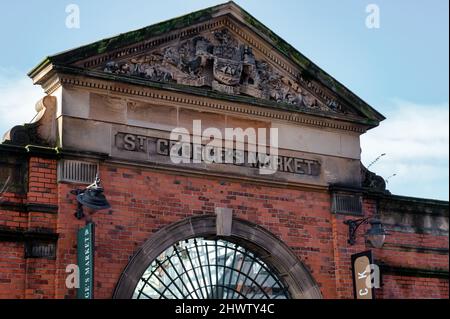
[[86, 261]]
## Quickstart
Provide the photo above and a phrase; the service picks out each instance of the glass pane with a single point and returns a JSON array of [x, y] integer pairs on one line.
[[209, 269]]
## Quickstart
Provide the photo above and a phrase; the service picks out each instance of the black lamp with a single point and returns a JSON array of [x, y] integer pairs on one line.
[[376, 235], [91, 197]]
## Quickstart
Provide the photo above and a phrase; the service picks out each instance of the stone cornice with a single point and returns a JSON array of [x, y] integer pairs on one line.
[[30, 150], [29, 207], [18, 235], [215, 101], [414, 272], [417, 249]]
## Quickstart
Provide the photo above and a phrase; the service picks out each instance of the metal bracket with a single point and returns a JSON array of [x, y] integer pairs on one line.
[[353, 226]]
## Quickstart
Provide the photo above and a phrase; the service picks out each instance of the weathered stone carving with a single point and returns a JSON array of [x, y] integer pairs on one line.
[[372, 181], [220, 62], [41, 131]]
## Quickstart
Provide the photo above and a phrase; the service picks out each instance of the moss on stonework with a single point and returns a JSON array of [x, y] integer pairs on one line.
[[125, 39], [152, 31], [308, 69]]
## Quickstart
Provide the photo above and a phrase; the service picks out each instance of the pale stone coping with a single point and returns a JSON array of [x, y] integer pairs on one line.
[[222, 106]]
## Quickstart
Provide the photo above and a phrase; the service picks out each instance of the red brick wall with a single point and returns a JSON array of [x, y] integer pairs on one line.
[[42, 181], [413, 259], [407, 287], [10, 218], [20, 277], [12, 270], [145, 201], [401, 286]]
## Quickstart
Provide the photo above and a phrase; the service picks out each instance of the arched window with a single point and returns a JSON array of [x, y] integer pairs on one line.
[[189, 260], [201, 268]]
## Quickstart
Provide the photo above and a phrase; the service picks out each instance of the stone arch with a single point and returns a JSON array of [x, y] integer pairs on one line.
[[269, 248]]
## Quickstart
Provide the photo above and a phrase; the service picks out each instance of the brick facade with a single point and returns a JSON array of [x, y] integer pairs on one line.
[[144, 201], [22, 277], [111, 107]]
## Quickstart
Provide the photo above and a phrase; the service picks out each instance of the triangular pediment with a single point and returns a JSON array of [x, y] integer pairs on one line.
[[222, 50], [219, 61]]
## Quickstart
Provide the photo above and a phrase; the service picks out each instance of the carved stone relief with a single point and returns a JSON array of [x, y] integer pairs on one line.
[[372, 181], [220, 62]]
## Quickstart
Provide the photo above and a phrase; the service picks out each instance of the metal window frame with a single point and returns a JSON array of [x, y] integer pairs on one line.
[[207, 286]]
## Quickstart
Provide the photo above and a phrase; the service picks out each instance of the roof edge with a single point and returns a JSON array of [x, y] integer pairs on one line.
[[123, 39], [367, 123], [309, 68], [305, 63]]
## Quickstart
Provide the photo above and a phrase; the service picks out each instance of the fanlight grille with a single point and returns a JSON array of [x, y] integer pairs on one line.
[[209, 269]]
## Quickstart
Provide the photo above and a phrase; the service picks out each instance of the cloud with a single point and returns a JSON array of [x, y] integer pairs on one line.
[[18, 96], [416, 141]]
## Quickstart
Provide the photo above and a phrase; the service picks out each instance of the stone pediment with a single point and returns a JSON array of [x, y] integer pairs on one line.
[[219, 61], [222, 50]]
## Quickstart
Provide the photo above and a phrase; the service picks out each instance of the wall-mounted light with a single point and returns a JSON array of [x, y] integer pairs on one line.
[[376, 235], [91, 197]]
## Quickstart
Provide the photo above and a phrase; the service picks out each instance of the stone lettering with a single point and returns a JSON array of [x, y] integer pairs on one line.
[[298, 165], [130, 142], [288, 165], [183, 151], [162, 147]]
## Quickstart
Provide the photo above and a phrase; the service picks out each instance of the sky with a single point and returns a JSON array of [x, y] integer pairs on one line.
[[400, 68]]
